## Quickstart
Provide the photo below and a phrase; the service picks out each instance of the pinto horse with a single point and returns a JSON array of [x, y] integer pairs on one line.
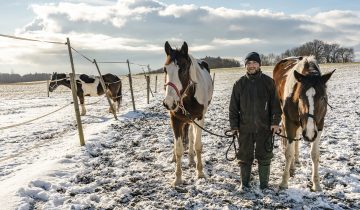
[[90, 86], [189, 89], [302, 92]]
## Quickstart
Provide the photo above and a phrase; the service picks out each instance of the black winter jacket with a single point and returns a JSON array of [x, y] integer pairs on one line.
[[254, 104]]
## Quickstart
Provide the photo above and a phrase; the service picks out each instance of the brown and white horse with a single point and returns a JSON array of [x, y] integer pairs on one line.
[[90, 86], [188, 86], [302, 92]]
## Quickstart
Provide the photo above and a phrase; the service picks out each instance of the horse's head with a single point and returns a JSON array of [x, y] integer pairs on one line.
[[177, 75], [56, 80], [312, 102]]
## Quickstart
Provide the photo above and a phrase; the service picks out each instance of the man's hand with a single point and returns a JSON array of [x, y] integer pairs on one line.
[[275, 129]]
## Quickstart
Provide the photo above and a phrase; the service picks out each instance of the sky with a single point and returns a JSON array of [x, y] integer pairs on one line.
[[136, 30]]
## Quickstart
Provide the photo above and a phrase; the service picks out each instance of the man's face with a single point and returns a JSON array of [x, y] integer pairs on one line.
[[252, 67]]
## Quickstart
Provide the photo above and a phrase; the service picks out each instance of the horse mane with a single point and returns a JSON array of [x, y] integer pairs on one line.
[[309, 67]]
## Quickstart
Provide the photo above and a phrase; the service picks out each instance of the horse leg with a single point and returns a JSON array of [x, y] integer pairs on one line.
[[315, 156], [296, 150], [191, 146], [179, 149], [119, 99], [82, 100], [289, 156], [198, 148], [297, 144], [112, 105]]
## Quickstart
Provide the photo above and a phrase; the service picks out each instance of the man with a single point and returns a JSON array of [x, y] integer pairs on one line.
[[254, 114]]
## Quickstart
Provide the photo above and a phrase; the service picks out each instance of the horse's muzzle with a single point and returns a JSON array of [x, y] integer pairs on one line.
[[306, 138]]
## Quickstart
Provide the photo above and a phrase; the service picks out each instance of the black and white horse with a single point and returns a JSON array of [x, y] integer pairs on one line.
[[90, 86], [188, 87]]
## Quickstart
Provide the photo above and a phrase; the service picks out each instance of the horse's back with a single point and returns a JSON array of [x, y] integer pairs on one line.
[[108, 78], [281, 70]]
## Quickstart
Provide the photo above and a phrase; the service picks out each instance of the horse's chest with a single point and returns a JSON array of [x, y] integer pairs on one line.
[[90, 89]]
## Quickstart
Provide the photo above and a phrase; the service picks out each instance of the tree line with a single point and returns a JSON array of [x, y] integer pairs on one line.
[[220, 62], [213, 62], [11, 78], [323, 52]]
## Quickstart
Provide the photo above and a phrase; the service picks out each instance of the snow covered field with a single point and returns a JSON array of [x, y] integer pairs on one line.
[[125, 163]]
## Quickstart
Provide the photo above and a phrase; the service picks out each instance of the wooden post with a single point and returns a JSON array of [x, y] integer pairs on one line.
[[145, 79], [104, 88], [47, 85], [213, 80], [73, 90], [131, 88], [148, 88], [155, 84]]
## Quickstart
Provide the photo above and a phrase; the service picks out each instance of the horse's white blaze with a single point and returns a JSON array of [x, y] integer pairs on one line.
[[310, 126], [204, 92], [172, 76]]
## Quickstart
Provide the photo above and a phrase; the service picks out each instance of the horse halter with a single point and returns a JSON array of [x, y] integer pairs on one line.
[[181, 96]]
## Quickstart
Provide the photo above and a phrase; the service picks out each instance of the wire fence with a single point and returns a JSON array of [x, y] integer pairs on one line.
[[31, 89]]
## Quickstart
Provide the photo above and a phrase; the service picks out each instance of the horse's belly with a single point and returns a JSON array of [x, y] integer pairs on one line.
[[90, 89]]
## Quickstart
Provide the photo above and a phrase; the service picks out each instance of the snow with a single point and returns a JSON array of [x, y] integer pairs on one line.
[[126, 163]]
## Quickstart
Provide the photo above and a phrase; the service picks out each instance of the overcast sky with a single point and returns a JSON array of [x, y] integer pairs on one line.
[[110, 30]]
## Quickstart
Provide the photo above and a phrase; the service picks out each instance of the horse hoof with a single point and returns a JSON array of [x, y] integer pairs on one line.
[[177, 182], [292, 172], [201, 175], [283, 186], [316, 189]]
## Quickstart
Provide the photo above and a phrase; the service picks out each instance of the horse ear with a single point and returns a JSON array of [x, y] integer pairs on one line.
[[299, 77], [167, 48], [184, 49], [326, 77]]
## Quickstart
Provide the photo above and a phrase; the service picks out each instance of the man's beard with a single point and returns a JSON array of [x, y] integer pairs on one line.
[[252, 70]]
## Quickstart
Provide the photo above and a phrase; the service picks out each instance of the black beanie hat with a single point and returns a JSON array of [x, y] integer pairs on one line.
[[253, 56]]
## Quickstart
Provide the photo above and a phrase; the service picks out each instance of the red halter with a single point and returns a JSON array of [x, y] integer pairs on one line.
[[175, 88]]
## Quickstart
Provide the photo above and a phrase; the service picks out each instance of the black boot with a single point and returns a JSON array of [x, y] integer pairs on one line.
[[245, 171], [264, 173]]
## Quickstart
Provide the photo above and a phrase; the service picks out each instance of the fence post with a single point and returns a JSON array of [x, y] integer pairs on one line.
[[73, 90], [148, 88], [47, 85], [104, 88], [155, 83], [131, 88], [145, 75]]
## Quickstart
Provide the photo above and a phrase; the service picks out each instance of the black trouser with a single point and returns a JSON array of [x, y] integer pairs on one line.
[[260, 142]]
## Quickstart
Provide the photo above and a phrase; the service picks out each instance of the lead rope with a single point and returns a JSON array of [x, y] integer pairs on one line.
[[227, 134]]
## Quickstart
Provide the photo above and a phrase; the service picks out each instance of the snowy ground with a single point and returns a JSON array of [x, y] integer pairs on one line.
[[125, 163]]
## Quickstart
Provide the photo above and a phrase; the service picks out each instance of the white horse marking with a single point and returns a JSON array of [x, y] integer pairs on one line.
[[310, 125]]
